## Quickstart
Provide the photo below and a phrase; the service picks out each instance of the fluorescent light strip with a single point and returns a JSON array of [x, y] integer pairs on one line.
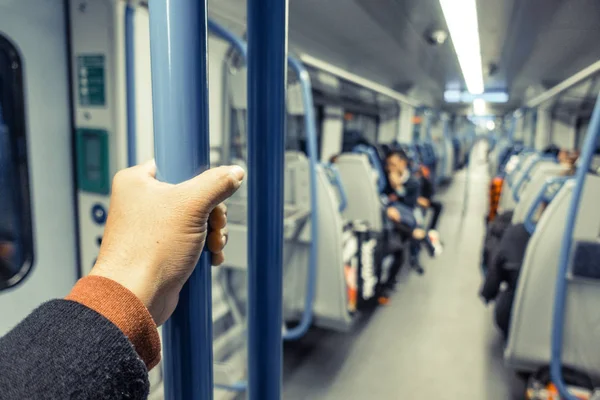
[[479, 107], [461, 18], [455, 96]]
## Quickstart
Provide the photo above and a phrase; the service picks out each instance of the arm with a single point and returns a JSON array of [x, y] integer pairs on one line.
[[412, 192], [102, 339], [65, 349]]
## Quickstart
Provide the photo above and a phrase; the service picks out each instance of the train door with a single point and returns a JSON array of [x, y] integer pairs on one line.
[[36, 174]]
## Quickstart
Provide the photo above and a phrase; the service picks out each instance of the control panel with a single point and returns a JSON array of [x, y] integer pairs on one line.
[[98, 73]]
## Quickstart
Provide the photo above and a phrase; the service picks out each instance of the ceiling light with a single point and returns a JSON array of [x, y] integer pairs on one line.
[[490, 125], [461, 18], [456, 96], [479, 107]]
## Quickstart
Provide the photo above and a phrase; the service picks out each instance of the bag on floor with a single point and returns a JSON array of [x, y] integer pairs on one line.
[[362, 269]]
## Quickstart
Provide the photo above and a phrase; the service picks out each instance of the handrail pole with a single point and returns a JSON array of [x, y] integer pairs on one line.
[[178, 44], [130, 84], [267, 70], [560, 297]]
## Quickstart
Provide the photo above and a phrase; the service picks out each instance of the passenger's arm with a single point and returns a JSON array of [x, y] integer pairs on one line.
[[493, 279], [411, 192], [66, 350], [423, 202], [101, 340]]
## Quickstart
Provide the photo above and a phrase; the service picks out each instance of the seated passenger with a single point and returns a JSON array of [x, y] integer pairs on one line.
[[504, 269], [506, 258], [425, 201], [493, 235], [403, 193]]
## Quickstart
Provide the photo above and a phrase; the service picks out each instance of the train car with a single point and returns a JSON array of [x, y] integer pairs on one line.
[[409, 199]]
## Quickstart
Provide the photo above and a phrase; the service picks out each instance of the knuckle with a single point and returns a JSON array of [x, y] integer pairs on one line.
[[120, 178]]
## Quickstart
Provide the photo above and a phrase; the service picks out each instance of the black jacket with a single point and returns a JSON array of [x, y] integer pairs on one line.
[[493, 234], [507, 261], [64, 350], [427, 189]]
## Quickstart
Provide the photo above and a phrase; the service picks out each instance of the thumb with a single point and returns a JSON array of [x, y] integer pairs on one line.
[[214, 186]]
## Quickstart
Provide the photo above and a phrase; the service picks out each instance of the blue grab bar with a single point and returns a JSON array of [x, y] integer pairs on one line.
[[178, 44], [336, 180], [229, 37], [551, 187], [311, 136], [267, 67], [130, 85], [558, 317]]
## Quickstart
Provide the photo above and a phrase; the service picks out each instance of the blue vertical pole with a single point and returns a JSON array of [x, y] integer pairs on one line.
[[130, 84], [180, 98], [267, 67], [560, 296]]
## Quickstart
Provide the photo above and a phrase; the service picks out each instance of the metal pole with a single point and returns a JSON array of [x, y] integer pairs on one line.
[[130, 83], [267, 67], [180, 99], [560, 296]]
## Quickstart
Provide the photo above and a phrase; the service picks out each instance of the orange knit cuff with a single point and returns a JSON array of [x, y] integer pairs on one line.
[[120, 306]]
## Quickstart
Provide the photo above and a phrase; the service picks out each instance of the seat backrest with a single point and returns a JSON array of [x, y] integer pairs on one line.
[[530, 335], [360, 184], [376, 163], [531, 189]]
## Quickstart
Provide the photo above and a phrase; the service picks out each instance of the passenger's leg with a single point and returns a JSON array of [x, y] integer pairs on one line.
[[503, 311], [437, 207], [394, 270], [415, 248]]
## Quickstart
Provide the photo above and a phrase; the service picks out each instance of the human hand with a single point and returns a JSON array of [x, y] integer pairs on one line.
[[155, 232], [423, 202], [393, 214], [395, 179], [6, 250]]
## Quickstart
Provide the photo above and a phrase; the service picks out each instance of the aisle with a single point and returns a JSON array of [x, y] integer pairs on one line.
[[435, 340]]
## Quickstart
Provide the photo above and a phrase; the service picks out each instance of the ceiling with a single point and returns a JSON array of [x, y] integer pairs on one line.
[[526, 45]]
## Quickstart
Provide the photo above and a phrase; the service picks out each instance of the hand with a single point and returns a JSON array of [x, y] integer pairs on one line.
[[423, 202], [155, 232], [393, 197], [393, 214], [6, 250], [395, 180]]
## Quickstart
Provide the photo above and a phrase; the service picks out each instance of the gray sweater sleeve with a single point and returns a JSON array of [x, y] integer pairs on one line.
[[64, 350]]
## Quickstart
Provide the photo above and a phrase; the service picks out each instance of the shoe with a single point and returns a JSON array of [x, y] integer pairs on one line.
[[414, 264], [434, 238], [419, 270], [429, 247], [383, 300]]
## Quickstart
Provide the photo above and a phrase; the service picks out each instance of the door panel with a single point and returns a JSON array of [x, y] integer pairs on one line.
[[37, 28]]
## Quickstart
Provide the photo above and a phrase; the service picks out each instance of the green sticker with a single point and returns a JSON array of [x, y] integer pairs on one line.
[[91, 77]]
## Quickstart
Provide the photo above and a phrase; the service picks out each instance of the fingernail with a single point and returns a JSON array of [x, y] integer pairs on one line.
[[238, 172]]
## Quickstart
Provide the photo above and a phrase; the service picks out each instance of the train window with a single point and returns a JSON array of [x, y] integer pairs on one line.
[[16, 240]]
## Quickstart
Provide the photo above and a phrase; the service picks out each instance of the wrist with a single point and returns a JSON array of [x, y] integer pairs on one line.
[[129, 278], [124, 309]]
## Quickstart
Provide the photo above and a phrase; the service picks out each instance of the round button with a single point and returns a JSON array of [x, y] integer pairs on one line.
[[99, 214]]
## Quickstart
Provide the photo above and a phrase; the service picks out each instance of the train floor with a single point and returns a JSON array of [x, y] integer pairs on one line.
[[435, 340]]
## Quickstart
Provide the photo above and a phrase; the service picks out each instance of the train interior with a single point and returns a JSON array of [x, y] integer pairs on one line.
[[493, 295]]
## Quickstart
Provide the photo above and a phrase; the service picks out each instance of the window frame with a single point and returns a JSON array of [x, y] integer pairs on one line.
[[15, 120]]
